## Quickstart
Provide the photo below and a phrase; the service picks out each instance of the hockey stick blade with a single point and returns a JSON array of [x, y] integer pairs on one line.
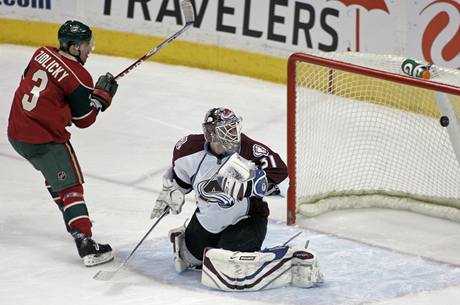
[[107, 275], [187, 10], [104, 275]]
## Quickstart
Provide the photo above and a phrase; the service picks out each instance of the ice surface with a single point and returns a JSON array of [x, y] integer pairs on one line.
[[354, 272]]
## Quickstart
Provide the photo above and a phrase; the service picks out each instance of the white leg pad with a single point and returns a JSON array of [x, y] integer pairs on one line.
[[247, 271], [252, 271], [305, 269], [183, 259]]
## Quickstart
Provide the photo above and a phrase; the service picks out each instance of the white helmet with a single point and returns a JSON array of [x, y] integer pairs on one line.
[[222, 126]]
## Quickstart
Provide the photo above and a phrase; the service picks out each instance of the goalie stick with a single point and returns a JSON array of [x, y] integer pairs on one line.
[[189, 16], [107, 275], [292, 238]]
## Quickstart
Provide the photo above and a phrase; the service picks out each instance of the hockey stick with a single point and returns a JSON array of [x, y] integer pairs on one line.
[[292, 238], [189, 16], [107, 275]]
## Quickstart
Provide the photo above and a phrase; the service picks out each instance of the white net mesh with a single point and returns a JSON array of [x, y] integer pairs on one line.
[[358, 135]]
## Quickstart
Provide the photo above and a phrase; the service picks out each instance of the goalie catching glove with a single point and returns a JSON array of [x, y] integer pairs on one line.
[[171, 197], [240, 178], [103, 92], [257, 186]]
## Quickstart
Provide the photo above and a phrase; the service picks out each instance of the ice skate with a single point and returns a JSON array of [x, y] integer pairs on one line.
[[91, 252]]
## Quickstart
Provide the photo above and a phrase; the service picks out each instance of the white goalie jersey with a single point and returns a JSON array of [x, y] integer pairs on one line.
[[194, 168]]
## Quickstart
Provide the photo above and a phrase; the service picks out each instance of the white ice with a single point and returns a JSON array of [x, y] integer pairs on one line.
[[369, 256]]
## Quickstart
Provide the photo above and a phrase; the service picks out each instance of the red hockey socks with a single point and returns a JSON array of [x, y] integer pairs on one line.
[[75, 212]]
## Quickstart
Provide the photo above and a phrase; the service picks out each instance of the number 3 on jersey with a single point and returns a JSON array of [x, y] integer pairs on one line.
[[28, 102]]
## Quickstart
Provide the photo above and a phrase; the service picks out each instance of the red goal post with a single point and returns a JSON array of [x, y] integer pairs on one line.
[[361, 133]]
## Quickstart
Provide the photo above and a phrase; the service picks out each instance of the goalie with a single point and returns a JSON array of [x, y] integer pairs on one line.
[[231, 174]]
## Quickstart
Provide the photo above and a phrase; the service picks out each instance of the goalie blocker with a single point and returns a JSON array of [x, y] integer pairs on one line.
[[266, 269]]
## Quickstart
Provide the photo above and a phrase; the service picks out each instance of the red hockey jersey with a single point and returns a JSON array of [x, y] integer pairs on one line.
[[53, 92]]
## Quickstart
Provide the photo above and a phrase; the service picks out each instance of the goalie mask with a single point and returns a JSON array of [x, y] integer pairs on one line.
[[222, 126]]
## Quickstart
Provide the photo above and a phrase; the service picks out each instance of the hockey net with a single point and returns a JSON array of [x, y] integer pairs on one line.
[[361, 133]]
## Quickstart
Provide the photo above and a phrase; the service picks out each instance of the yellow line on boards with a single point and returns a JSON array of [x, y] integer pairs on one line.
[[130, 45]]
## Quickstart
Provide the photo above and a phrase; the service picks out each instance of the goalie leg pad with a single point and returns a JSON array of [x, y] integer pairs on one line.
[[247, 271], [183, 259], [305, 269]]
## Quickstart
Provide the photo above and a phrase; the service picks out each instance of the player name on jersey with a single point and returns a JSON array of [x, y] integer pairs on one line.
[[50, 65]]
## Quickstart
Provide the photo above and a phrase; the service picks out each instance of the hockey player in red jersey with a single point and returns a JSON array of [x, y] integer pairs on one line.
[[55, 91], [231, 214]]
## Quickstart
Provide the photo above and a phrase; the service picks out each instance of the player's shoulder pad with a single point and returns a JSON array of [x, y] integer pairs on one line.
[[253, 150], [188, 145]]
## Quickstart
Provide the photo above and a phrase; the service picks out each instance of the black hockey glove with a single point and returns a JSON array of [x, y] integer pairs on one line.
[[104, 91]]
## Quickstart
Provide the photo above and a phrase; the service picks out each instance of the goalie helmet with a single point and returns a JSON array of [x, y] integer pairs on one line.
[[222, 126], [74, 32]]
